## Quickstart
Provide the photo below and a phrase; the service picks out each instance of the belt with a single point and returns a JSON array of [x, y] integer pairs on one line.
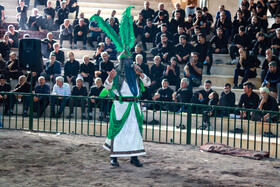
[[127, 99]]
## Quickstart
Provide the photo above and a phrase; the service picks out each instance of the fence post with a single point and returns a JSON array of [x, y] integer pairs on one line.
[[31, 105], [189, 124]]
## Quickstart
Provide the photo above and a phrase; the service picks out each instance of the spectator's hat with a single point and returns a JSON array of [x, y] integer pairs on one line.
[[2, 76]]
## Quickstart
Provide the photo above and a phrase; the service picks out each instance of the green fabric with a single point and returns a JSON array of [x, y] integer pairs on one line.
[[104, 93], [126, 29], [117, 125], [109, 31]]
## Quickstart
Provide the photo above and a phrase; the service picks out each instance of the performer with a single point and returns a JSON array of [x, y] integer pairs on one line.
[[125, 85]]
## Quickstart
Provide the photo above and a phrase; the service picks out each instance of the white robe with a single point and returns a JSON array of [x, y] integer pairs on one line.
[[128, 141]]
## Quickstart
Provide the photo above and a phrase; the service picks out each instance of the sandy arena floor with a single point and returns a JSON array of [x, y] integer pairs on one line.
[[40, 159]]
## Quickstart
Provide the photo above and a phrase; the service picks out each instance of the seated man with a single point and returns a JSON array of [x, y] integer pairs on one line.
[[4, 87], [13, 36], [73, 6], [200, 21], [22, 87], [66, 31], [103, 105], [180, 32], [272, 80], [35, 21], [220, 42], [71, 69], [97, 54], [193, 71], [249, 65], [149, 34], [163, 30], [175, 22], [240, 40], [183, 95], [269, 57], [172, 73], [95, 33], [61, 92], [276, 43], [87, 70], [105, 66], [138, 50], [62, 14], [164, 94], [80, 34], [145, 68], [5, 47], [253, 28], [205, 50], [227, 99], [224, 23], [47, 45], [53, 69], [157, 71], [266, 103], [13, 67], [59, 54], [202, 96], [165, 49], [3, 67], [41, 102], [194, 38], [248, 100], [260, 45], [82, 16], [183, 50], [110, 48], [49, 14], [78, 90]]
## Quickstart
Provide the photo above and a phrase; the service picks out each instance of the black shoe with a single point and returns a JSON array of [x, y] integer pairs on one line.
[[208, 73], [202, 126], [84, 116], [100, 118], [135, 161], [90, 118], [269, 135], [114, 162], [178, 126], [58, 115], [235, 87], [106, 119], [183, 127], [70, 116], [236, 130], [25, 114], [154, 122]]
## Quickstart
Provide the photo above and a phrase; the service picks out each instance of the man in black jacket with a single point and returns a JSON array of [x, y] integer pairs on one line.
[[62, 14], [202, 96], [149, 34], [147, 12], [71, 69], [220, 42], [227, 99], [204, 49], [183, 50], [78, 90], [80, 34], [269, 57], [157, 71], [249, 65], [4, 87], [240, 40], [87, 70], [105, 66]]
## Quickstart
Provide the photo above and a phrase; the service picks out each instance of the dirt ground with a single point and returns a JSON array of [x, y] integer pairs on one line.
[[41, 159]]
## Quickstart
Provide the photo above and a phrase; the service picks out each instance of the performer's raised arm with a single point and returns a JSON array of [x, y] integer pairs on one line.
[[109, 81], [144, 78]]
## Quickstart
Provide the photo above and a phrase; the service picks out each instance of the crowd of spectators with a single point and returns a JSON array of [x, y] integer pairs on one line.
[[180, 39]]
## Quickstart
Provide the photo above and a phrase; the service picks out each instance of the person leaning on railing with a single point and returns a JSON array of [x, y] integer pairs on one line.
[[41, 101], [60, 89], [266, 103]]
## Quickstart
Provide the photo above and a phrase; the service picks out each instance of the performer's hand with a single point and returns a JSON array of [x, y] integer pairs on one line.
[[111, 74]]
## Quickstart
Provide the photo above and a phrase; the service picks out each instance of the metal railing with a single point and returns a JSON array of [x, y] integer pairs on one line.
[[161, 121]]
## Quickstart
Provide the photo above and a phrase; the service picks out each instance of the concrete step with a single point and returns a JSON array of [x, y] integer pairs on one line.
[[220, 80]]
